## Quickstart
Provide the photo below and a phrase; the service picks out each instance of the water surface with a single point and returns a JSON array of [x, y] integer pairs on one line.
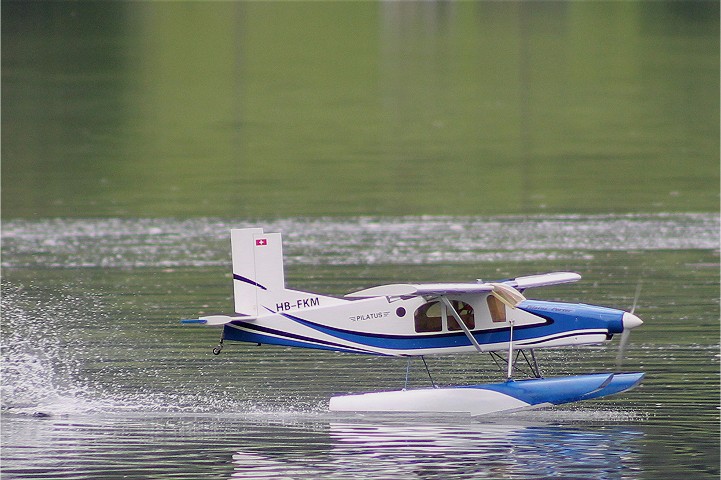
[[91, 338]]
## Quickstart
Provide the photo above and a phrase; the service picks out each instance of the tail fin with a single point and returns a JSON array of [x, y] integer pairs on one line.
[[257, 267], [258, 276]]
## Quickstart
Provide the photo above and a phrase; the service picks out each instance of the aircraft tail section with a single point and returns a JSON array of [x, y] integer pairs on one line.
[[259, 277], [257, 267]]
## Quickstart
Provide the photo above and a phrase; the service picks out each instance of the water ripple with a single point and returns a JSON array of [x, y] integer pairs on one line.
[[203, 242]]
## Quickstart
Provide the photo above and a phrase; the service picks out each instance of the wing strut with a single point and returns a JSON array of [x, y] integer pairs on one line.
[[506, 294], [470, 336], [511, 297], [509, 373]]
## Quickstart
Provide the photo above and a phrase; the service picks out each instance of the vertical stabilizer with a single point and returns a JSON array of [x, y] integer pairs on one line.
[[257, 267], [259, 278], [268, 252]]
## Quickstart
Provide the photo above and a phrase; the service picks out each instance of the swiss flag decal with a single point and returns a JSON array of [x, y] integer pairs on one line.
[[261, 242]]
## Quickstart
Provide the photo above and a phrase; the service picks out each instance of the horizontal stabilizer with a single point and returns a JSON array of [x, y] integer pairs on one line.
[[214, 320]]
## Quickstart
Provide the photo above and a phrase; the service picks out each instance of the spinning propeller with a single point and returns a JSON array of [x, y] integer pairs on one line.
[[630, 321]]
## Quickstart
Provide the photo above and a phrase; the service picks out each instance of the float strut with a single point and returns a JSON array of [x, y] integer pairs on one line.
[[428, 371], [509, 373], [408, 370], [536, 369]]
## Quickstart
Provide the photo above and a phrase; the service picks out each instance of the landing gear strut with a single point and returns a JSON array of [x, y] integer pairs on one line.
[[219, 348], [529, 359], [408, 370]]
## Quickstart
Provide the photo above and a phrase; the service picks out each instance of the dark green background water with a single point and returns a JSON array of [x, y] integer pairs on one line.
[[283, 109]]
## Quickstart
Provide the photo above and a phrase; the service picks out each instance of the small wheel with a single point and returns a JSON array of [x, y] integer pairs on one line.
[[216, 351]]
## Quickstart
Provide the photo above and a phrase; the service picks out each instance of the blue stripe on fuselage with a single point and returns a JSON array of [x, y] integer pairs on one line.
[[270, 336], [561, 320]]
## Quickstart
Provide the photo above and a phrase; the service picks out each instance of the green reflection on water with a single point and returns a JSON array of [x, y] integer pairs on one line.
[[282, 109]]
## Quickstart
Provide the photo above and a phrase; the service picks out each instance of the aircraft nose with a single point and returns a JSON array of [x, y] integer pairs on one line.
[[630, 321]]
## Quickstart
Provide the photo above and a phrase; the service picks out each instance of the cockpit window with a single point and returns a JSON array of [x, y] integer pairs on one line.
[[430, 316], [497, 309]]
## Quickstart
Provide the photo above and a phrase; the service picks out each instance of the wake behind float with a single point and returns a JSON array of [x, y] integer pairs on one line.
[[416, 320]]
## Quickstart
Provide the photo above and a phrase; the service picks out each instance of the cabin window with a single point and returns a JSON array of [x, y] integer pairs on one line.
[[497, 309], [464, 311], [428, 317]]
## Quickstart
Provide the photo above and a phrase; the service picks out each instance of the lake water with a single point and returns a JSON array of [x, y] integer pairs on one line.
[[91, 337], [388, 142]]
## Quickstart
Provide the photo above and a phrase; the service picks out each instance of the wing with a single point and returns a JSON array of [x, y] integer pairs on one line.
[[425, 289], [505, 293], [543, 280], [420, 290]]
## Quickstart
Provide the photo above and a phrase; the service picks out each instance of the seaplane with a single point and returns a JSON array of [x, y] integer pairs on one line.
[[421, 319]]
